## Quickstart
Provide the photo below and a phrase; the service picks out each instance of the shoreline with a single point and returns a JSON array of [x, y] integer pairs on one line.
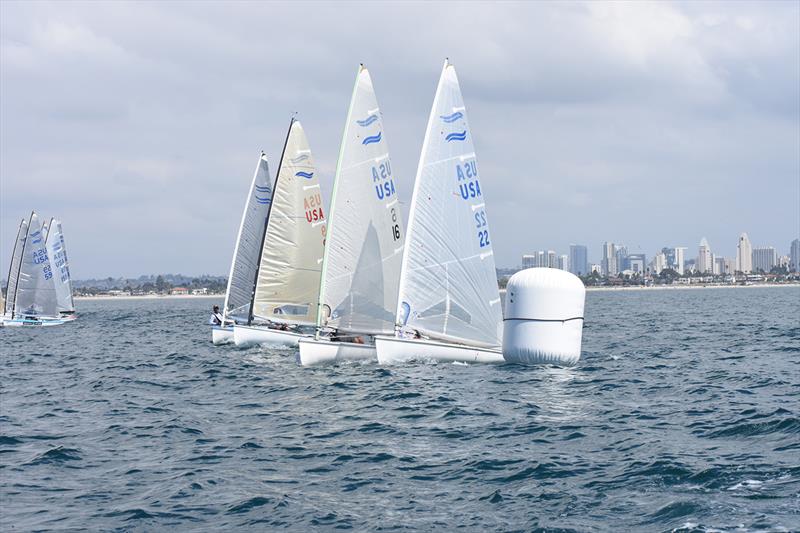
[[149, 297], [691, 287]]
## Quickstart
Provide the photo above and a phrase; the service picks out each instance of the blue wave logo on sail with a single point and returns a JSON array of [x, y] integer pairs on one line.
[[367, 121], [372, 139], [36, 237], [299, 159], [261, 188], [457, 136], [263, 201], [306, 175], [452, 118]]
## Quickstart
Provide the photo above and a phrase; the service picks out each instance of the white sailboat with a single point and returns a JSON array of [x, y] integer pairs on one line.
[[57, 253], [448, 305], [13, 270], [34, 301], [361, 265], [244, 266], [287, 286]]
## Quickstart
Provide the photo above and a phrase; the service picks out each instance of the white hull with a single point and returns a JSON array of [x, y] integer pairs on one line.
[[40, 321], [263, 336], [392, 350], [318, 352], [221, 335]]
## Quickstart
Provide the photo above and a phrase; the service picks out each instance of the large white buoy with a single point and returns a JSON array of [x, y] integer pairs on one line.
[[543, 317]]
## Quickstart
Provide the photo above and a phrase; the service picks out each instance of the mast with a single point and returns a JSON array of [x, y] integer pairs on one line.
[[19, 268], [266, 223], [10, 298]]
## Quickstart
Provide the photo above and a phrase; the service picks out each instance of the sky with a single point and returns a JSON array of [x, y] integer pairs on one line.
[[647, 124]]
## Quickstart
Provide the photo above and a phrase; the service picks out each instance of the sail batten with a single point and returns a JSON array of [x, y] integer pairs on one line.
[[287, 288], [361, 266], [448, 282], [241, 280]]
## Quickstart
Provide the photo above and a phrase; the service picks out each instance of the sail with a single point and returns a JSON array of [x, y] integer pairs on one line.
[[448, 287], [364, 245], [287, 289], [13, 271], [36, 290], [242, 278], [57, 252]]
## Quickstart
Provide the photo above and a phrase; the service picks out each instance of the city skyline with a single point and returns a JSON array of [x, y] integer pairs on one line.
[[655, 122]]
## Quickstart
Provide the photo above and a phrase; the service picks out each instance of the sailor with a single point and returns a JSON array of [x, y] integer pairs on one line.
[[216, 317]]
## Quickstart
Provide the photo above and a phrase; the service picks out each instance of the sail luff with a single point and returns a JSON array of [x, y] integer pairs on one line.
[[11, 290], [332, 207]]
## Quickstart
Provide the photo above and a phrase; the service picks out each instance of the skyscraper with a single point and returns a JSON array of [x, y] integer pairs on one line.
[[764, 259], [552, 259], [679, 260], [744, 255], [609, 259], [621, 253], [528, 261], [578, 259], [705, 261], [794, 256], [563, 262]]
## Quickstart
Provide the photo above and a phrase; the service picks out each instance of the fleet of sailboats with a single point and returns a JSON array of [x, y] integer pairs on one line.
[[39, 290]]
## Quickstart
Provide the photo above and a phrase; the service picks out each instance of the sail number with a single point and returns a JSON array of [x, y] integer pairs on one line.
[[468, 185], [483, 230], [382, 179], [395, 226]]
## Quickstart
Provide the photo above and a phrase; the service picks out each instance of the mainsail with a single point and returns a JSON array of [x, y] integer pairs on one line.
[[36, 291], [244, 266], [361, 268], [287, 289], [57, 252], [448, 286], [13, 271]]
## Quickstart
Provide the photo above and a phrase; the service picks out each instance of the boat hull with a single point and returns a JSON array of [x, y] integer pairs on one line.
[[320, 352], [41, 321], [245, 336], [393, 350], [221, 334]]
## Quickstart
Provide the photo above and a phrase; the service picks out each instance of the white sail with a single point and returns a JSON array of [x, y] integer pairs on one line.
[[287, 289], [365, 232], [242, 278], [57, 252], [36, 291], [448, 287], [13, 271]]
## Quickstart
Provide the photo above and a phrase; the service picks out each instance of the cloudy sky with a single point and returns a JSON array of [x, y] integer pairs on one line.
[[650, 124]]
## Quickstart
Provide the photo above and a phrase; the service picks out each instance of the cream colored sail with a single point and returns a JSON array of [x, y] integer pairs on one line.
[[287, 289]]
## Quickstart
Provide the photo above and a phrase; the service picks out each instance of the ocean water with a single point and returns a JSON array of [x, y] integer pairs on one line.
[[683, 414]]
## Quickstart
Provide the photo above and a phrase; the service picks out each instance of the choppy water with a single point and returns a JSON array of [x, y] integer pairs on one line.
[[684, 412]]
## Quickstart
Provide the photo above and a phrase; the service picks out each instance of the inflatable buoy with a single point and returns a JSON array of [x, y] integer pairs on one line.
[[543, 321]]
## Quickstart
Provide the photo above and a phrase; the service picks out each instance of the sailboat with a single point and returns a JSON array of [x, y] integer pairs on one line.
[[361, 265], [448, 307], [32, 298], [244, 265], [59, 264], [287, 284]]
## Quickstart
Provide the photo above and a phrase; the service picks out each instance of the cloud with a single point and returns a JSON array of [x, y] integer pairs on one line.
[[648, 123]]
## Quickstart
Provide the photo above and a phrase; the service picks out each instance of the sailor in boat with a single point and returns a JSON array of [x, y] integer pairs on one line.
[[216, 317]]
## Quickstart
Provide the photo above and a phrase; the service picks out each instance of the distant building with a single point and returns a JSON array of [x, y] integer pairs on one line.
[[744, 255], [637, 263], [179, 290], [678, 259], [705, 262], [552, 259], [528, 261], [578, 259], [563, 262], [764, 259], [794, 256], [722, 266], [621, 253], [609, 259], [658, 263], [595, 268]]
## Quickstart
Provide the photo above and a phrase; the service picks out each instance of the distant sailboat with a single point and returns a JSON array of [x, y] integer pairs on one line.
[[244, 265], [57, 252], [449, 304], [32, 294], [287, 286], [361, 265]]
